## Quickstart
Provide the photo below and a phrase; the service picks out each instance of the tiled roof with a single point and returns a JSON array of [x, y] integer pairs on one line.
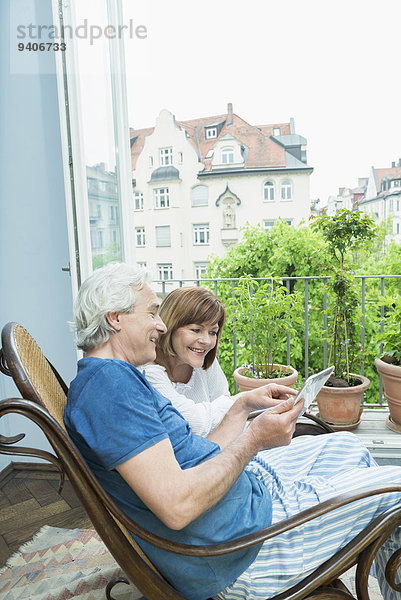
[[261, 150], [391, 173], [137, 145]]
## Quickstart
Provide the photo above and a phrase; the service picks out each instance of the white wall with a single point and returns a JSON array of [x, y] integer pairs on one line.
[[33, 231]]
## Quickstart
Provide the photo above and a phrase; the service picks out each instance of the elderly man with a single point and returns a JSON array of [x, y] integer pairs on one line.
[[204, 491]]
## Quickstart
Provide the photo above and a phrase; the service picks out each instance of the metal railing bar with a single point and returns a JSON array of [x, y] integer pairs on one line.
[[325, 324], [306, 327]]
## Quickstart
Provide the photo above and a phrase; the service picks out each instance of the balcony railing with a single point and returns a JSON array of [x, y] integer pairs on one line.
[[379, 281]]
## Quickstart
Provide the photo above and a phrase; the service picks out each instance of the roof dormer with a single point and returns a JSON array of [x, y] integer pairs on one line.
[[228, 153]]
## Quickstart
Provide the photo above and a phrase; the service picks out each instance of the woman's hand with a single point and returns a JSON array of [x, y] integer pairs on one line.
[[265, 396]]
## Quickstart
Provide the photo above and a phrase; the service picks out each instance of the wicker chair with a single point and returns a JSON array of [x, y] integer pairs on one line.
[[44, 397]]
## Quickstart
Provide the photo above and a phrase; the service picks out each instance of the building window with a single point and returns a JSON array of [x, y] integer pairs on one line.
[[162, 198], [166, 157], [151, 161], [163, 236], [276, 130], [99, 211], [269, 224], [140, 236], [398, 228], [211, 133], [268, 191], [138, 201], [286, 190], [141, 264], [180, 158], [288, 221], [200, 195], [200, 269], [398, 206], [165, 271], [201, 234], [227, 155]]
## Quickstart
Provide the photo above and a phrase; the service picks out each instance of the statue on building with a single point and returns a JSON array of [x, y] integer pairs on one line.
[[228, 216]]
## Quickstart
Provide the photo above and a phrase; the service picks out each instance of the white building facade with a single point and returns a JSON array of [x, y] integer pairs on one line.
[[196, 183], [383, 197]]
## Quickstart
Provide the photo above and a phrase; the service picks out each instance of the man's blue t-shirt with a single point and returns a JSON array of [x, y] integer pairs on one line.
[[113, 414]]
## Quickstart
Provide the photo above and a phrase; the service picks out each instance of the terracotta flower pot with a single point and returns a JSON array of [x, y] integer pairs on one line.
[[341, 406], [250, 383], [391, 378]]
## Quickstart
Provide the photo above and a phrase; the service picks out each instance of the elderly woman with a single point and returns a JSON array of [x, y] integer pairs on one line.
[[194, 490], [186, 370]]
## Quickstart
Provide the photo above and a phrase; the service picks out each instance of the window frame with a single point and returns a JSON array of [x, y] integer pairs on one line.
[[285, 186], [268, 227], [157, 242], [227, 152], [210, 133], [198, 229], [199, 185], [138, 195], [158, 195], [140, 236], [271, 188], [166, 156], [165, 268], [200, 265]]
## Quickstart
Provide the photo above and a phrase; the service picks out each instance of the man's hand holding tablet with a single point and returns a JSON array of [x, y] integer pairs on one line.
[[307, 393]]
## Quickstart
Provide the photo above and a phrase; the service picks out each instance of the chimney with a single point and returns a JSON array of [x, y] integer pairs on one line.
[[229, 114]]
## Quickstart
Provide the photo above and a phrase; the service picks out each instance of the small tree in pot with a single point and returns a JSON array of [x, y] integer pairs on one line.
[[261, 314], [344, 233], [389, 365]]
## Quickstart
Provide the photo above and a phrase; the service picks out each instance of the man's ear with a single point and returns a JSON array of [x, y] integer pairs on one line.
[[113, 319]]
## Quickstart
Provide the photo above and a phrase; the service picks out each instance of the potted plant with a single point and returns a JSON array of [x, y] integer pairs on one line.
[[389, 365], [339, 401], [261, 315]]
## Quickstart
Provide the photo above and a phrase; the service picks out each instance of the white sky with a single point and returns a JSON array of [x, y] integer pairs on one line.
[[333, 66]]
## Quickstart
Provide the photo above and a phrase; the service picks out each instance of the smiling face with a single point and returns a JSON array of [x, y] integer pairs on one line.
[[192, 342], [140, 329]]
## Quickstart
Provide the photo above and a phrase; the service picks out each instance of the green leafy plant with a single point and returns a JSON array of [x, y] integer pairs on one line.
[[389, 340], [261, 314], [346, 233]]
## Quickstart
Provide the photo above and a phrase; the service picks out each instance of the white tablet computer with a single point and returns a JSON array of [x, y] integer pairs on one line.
[[308, 391]]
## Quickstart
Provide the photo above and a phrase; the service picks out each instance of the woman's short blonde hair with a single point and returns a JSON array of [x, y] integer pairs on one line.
[[184, 306]]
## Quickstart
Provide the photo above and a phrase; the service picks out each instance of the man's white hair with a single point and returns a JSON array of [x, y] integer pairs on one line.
[[113, 288]]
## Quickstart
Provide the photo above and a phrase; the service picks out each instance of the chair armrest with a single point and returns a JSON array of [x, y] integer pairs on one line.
[[89, 490]]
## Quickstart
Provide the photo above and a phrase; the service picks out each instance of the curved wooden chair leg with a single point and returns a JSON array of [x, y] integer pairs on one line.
[[112, 583], [392, 567]]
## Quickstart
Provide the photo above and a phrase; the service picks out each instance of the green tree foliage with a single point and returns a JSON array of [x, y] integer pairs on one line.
[[345, 233], [301, 251]]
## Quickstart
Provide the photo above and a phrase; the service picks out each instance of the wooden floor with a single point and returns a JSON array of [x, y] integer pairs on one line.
[[29, 499]]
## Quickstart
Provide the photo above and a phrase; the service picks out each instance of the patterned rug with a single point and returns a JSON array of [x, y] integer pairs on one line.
[[60, 564]]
